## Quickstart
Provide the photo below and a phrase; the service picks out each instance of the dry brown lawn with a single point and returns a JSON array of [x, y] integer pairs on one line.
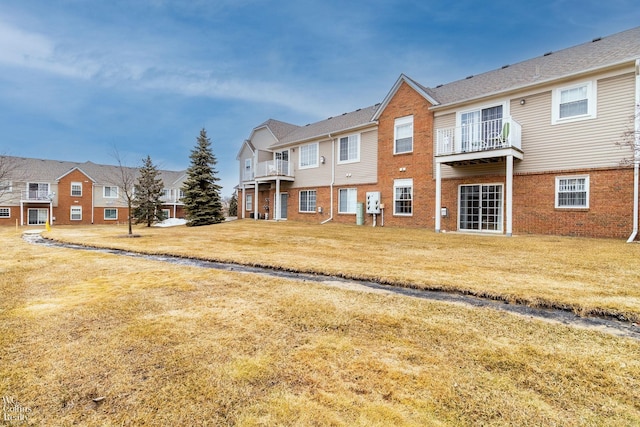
[[97, 339], [588, 276]]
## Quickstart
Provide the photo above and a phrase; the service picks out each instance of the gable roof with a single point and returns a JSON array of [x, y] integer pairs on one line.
[[43, 170], [423, 91], [76, 168], [597, 54], [342, 123]]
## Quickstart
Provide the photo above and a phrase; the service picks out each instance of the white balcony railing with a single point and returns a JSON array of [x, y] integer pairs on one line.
[[37, 195], [477, 137], [274, 168]]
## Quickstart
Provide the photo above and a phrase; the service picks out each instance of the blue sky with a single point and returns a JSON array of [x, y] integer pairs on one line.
[[80, 78]]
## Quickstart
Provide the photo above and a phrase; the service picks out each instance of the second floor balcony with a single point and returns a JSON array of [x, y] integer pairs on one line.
[[479, 140], [37, 195], [270, 169]]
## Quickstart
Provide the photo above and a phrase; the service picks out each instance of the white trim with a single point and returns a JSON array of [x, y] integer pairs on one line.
[[104, 214], [502, 207], [77, 210], [402, 121], [397, 183], [586, 189], [592, 90], [76, 183], [349, 190], [317, 156], [104, 191], [357, 158], [8, 210], [300, 201]]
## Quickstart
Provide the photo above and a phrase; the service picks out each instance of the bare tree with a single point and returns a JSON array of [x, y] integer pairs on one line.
[[631, 140], [125, 179], [8, 169]]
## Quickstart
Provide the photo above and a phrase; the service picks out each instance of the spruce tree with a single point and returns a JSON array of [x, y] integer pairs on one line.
[[148, 192], [233, 205], [202, 202]]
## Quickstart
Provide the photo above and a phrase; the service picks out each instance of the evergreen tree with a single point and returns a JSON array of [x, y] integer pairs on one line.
[[202, 202], [233, 205], [148, 191]]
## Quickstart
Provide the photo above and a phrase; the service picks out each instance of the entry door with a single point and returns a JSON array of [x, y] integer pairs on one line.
[[284, 198], [282, 162], [480, 207]]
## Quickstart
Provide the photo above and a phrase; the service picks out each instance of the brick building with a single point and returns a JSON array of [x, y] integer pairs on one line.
[[68, 193], [532, 147]]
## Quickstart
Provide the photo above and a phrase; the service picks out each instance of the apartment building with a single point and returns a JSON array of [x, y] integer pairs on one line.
[[533, 147], [66, 193]]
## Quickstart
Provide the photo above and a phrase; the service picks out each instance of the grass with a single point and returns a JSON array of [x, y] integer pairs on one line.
[[159, 344], [587, 276]]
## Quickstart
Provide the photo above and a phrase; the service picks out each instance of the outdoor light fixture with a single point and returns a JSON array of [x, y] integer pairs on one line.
[[522, 101], [322, 159]]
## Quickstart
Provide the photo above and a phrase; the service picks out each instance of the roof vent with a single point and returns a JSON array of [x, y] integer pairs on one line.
[[330, 118], [505, 66], [359, 109], [344, 114], [438, 86], [547, 54], [468, 77], [597, 39]]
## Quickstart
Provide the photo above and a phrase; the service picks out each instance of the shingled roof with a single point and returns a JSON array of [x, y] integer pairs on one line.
[[599, 53], [344, 122], [34, 170]]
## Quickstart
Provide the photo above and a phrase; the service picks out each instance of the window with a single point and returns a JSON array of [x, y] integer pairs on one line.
[[110, 214], [576, 102], [76, 213], [76, 189], [110, 192], [248, 174], [248, 202], [572, 192], [37, 216], [479, 129], [166, 194], [166, 213], [403, 197], [348, 198], [349, 147], [38, 191], [5, 213], [403, 135], [308, 201], [181, 194], [309, 155], [480, 207]]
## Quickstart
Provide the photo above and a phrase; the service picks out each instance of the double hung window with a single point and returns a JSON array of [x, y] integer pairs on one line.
[[307, 201]]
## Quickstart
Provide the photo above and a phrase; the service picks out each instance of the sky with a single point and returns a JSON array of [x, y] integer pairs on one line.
[[85, 79]]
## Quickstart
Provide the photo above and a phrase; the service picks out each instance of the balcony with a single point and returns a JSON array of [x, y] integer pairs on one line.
[[274, 169], [36, 196], [482, 142]]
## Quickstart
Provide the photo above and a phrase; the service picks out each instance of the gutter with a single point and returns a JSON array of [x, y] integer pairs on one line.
[[636, 155], [333, 177]]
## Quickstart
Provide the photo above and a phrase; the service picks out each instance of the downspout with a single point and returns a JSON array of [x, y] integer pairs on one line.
[[333, 178], [93, 204], [636, 155]]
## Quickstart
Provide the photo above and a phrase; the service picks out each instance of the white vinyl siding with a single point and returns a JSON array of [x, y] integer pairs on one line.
[[572, 192], [309, 156], [347, 202], [349, 149], [307, 201], [579, 145], [110, 214], [403, 135], [403, 197]]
